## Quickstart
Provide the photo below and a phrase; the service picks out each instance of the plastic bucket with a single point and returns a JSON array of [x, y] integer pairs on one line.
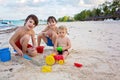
[[5, 55], [40, 49]]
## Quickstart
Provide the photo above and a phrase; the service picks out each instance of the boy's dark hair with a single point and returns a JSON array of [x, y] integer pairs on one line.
[[51, 18], [34, 17]]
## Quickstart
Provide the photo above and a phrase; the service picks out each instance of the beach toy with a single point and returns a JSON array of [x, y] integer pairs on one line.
[[49, 60], [61, 62], [52, 58], [59, 59], [59, 49], [46, 68], [40, 49], [78, 65], [5, 55], [27, 57], [53, 54]]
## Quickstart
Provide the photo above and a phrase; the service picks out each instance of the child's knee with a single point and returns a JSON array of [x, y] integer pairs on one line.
[[33, 55], [40, 35], [65, 53], [26, 37], [31, 52]]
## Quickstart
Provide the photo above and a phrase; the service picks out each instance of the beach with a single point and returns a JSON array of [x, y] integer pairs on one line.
[[95, 45]]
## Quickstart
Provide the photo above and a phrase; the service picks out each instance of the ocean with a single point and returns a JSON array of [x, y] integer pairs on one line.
[[7, 24]]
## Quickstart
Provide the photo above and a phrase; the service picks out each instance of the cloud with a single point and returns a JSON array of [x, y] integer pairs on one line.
[[22, 1], [83, 3], [44, 8], [95, 3]]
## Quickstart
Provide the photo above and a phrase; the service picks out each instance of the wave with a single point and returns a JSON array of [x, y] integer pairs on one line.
[[8, 30], [8, 24]]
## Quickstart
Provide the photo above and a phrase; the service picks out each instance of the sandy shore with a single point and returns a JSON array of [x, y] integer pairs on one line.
[[96, 45]]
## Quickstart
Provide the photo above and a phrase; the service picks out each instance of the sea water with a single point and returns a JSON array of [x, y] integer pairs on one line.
[[7, 24]]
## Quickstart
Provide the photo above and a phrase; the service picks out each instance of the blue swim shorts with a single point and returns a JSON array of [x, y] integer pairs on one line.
[[49, 42]]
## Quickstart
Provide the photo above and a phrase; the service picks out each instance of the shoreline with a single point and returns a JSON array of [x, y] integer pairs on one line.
[[12, 29], [8, 30]]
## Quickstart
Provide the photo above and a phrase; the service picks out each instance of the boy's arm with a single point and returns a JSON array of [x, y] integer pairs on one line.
[[34, 40], [55, 45], [44, 32], [12, 42], [45, 29]]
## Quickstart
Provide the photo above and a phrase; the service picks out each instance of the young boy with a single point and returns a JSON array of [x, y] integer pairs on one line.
[[20, 39], [49, 34], [62, 41]]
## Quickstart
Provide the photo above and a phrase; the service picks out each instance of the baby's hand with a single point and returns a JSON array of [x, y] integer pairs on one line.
[[63, 48]]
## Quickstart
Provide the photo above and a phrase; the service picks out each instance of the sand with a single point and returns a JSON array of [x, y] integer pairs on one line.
[[95, 45]]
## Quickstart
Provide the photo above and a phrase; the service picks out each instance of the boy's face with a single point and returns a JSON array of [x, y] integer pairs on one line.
[[30, 24], [51, 23], [61, 33]]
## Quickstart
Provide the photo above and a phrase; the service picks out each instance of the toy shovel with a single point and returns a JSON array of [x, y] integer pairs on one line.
[[27, 57], [31, 60]]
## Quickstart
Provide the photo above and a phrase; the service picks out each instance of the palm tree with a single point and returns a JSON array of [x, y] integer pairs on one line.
[[106, 8], [115, 6]]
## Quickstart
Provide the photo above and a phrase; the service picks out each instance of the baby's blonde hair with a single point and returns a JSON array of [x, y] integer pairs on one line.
[[62, 27]]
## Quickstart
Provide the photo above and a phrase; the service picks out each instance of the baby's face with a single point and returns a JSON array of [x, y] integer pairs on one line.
[[61, 33]]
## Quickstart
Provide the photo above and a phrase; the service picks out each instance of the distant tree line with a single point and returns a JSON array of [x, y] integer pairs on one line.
[[107, 10]]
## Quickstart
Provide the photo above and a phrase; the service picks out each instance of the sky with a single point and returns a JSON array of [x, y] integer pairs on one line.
[[20, 9]]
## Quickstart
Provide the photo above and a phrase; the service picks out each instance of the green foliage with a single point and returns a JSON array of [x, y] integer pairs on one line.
[[66, 19], [105, 9]]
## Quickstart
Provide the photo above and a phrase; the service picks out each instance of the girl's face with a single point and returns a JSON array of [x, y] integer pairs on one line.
[[30, 24], [61, 33]]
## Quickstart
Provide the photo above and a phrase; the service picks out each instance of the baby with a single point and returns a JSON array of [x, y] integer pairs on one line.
[[62, 41]]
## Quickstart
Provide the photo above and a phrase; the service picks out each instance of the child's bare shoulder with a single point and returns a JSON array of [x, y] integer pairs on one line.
[[67, 38], [19, 29], [46, 29]]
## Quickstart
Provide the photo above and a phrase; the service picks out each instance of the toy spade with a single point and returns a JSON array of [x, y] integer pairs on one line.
[[32, 60], [78, 65], [27, 57]]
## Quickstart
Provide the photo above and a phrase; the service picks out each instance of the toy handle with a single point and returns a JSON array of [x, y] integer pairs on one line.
[[59, 49]]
